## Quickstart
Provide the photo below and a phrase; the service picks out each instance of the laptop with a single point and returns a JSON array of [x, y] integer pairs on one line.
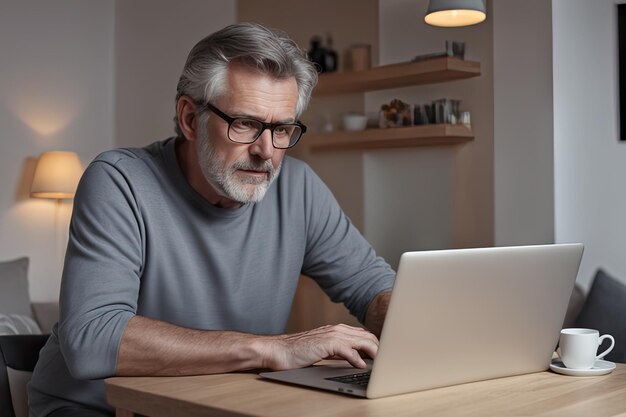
[[458, 316]]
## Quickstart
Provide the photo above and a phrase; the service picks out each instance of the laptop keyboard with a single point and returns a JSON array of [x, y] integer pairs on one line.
[[361, 379]]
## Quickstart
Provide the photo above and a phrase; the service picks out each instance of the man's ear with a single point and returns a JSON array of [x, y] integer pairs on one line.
[[187, 117]]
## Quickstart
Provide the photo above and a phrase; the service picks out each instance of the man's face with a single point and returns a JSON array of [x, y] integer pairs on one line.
[[243, 172]]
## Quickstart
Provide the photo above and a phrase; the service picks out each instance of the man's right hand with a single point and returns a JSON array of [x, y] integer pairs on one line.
[[306, 348]]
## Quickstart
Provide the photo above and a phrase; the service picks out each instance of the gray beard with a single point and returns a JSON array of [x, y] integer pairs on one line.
[[223, 178]]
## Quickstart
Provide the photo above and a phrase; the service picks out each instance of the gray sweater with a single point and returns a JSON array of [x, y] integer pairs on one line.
[[142, 241]]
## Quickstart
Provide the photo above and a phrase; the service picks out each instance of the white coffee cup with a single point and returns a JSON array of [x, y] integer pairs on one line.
[[578, 347]]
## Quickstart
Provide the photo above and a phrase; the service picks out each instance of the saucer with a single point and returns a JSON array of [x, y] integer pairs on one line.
[[599, 368]]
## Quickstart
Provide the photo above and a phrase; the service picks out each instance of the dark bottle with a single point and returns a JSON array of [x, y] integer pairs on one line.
[[317, 54], [330, 58]]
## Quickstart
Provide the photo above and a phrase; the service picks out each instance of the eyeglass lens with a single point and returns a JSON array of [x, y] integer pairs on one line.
[[248, 130]]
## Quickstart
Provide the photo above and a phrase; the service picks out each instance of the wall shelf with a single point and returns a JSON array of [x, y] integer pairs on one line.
[[393, 76], [426, 135], [397, 75]]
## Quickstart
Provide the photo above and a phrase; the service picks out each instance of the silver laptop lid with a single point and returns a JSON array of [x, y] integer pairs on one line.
[[472, 314]]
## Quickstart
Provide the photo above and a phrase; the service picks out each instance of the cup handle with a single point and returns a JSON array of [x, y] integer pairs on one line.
[[606, 336]]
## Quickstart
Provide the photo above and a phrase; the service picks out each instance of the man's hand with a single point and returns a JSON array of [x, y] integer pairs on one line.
[[306, 348]]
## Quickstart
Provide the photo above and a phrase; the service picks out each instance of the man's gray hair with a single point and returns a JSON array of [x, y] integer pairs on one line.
[[270, 51]]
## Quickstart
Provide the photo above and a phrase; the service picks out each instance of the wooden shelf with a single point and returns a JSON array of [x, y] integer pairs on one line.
[[393, 76], [426, 135], [397, 75]]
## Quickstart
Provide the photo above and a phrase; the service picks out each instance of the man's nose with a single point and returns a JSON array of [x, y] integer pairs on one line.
[[263, 147]]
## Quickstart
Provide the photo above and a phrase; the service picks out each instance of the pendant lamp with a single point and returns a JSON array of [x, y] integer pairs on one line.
[[454, 13]]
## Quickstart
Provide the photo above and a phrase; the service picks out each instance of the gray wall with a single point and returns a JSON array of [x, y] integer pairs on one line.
[[84, 76], [431, 198], [590, 163], [152, 40], [523, 126], [56, 93]]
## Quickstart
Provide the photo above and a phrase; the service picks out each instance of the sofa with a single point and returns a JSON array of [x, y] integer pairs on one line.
[[17, 314]]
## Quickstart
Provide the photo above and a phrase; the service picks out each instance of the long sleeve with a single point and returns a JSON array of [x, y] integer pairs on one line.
[[337, 256], [101, 273]]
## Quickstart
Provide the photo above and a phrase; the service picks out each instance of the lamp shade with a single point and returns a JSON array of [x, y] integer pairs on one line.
[[454, 13], [57, 175]]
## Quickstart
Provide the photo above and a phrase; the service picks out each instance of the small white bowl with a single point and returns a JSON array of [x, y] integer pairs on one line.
[[353, 122]]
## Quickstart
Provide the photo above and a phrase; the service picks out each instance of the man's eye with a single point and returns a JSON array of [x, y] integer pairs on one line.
[[284, 130], [245, 124]]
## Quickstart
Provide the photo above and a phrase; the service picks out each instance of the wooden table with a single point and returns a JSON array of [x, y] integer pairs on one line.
[[246, 394]]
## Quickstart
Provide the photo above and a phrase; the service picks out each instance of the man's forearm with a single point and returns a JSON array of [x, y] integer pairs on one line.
[[152, 347], [376, 312]]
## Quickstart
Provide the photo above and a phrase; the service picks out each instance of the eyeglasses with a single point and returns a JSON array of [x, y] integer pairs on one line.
[[247, 130]]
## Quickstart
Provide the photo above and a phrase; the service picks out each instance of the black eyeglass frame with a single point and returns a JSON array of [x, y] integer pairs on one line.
[[271, 126]]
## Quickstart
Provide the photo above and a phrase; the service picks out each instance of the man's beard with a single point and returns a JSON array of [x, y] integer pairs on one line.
[[223, 178]]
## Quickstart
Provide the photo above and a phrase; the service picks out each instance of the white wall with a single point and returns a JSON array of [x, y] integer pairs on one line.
[[152, 40], [523, 127], [56, 93], [590, 162]]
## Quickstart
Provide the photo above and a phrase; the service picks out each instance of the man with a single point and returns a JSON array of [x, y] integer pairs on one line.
[[184, 256]]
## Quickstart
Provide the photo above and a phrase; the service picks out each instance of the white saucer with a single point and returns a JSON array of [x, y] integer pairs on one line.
[[599, 368]]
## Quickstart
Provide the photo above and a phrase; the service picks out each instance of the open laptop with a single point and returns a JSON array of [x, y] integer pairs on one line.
[[459, 316]]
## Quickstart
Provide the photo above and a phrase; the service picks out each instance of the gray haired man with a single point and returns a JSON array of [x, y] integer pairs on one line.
[[184, 256]]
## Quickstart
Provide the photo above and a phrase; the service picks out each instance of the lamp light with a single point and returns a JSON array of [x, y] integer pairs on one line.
[[454, 13], [56, 175]]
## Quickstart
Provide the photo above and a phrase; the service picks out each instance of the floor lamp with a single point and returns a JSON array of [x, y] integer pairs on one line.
[[56, 177]]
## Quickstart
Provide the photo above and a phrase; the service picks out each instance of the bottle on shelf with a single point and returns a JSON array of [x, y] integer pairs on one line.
[[330, 57], [317, 54]]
